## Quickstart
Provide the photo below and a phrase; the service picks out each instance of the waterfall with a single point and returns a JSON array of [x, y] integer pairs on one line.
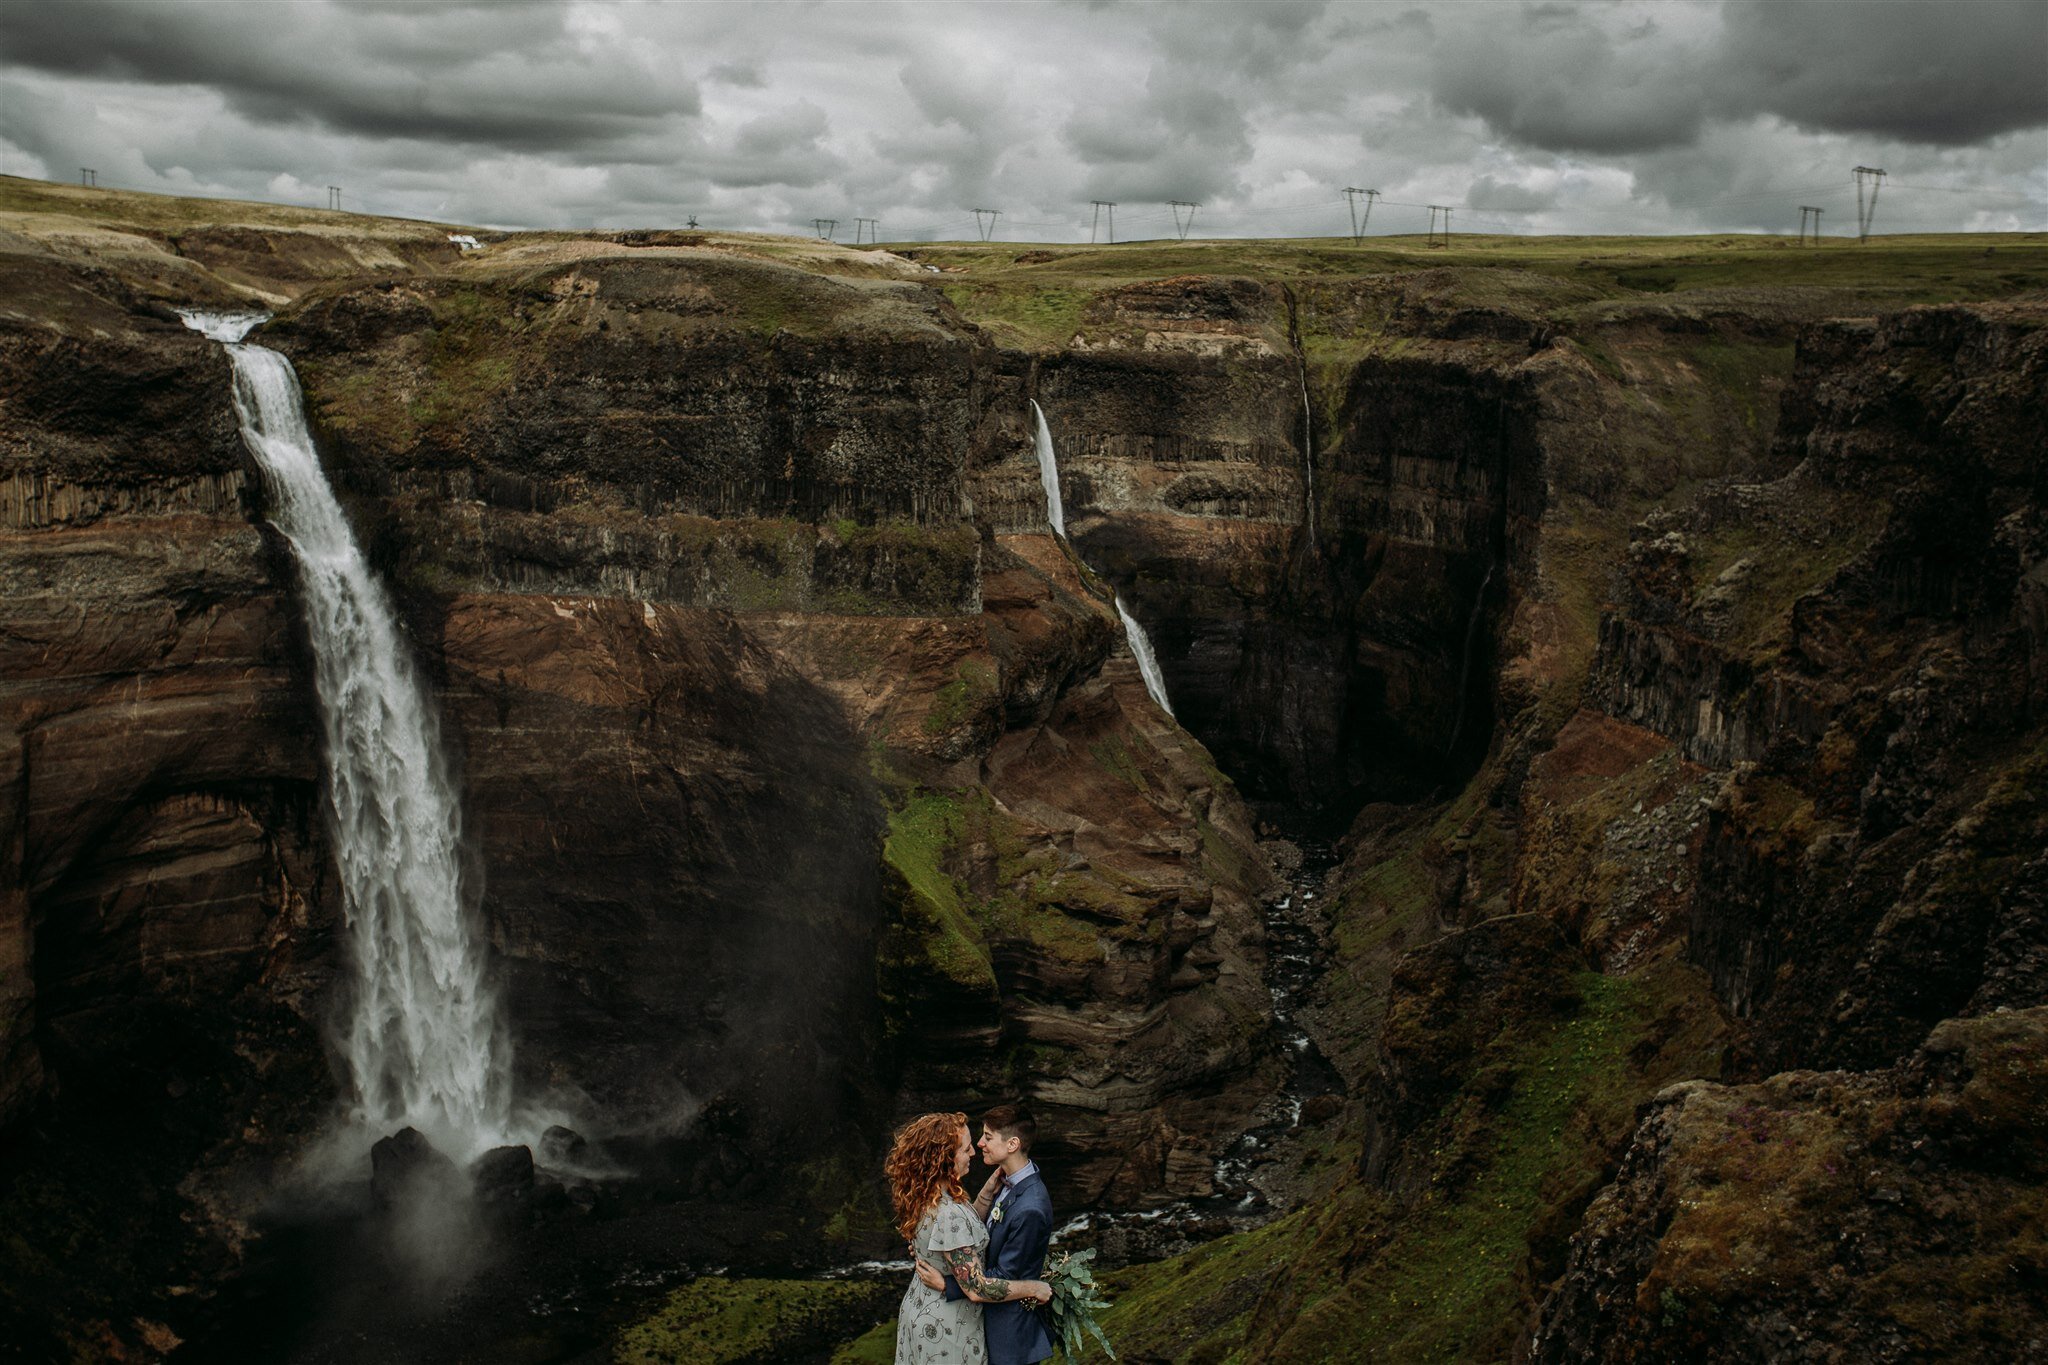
[[1308, 455], [1055, 513], [1141, 649], [1465, 665], [423, 1045], [1049, 474]]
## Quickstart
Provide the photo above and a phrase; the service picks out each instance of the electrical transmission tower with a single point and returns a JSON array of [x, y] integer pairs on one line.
[[1808, 213], [1178, 226], [985, 223], [1865, 213], [88, 177], [334, 197], [1357, 223], [1437, 238], [873, 227], [692, 222], [1100, 205], [826, 227]]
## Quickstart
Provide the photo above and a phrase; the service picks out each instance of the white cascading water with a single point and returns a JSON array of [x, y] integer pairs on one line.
[[1055, 513], [1049, 474], [423, 1045], [1141, 649]]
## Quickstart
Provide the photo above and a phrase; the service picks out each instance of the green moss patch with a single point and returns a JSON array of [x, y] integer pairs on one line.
[[876, 1346], [1197, 1307], [1449, 1284], [1513, 1155], [716, 1321], [971, 693], [921, 832]]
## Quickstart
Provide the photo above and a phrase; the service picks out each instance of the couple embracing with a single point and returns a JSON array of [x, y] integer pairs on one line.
[[969, 1303]]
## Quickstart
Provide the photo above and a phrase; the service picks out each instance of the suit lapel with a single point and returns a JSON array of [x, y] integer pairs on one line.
[[999, 1231]]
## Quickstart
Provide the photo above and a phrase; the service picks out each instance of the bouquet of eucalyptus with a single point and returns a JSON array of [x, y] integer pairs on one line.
[[1075, 1301]]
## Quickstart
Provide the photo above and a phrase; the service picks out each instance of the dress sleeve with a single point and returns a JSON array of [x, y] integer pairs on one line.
[[954, 1227]]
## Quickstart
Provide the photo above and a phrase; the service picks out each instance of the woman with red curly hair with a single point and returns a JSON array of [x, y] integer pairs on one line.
[[925, 1166]]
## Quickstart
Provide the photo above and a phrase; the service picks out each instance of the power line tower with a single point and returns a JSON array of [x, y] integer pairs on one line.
[[985, 223], [1437, 238], [692, 223], [1178, 226], [873, 227], [1874, 177], [1808, 213], [88, 177], [1351, 194], [334, 197], [826, 227], [1100, 205]]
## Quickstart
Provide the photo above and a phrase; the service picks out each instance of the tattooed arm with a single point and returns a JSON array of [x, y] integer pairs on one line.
[[964, 1264]]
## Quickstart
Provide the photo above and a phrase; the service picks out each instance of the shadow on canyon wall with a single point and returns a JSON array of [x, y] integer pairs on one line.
[[1681, 705]]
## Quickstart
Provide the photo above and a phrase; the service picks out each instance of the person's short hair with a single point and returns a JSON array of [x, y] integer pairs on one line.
[[1013, 1120]]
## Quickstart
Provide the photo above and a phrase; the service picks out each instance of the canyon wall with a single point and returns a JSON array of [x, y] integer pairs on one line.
[[1310, 544], [1690, 1028], [798, 796], [1683, 703]]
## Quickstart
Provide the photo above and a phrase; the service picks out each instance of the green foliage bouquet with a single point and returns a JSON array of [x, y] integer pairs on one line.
[[1076, 1300]]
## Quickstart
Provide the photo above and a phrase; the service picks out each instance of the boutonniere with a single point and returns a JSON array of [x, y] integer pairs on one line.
[[996, 1214]]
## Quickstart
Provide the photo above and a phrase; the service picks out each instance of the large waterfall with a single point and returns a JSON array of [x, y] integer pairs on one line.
[[423, 1043], [1055, 513]]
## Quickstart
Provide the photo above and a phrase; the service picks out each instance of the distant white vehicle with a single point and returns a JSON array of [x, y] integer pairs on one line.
[[465, 241]]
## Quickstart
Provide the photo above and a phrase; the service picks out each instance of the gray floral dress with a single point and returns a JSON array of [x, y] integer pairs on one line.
[[930, 1330]]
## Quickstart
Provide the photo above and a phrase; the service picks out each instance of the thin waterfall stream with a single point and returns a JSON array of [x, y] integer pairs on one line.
[[1308, 458], [423, 1042], [1055, 514]]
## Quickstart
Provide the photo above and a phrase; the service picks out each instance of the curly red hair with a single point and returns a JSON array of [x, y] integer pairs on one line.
[[920, 1168]]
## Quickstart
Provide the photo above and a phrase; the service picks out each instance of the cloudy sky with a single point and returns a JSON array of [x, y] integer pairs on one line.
[[1611, 116]]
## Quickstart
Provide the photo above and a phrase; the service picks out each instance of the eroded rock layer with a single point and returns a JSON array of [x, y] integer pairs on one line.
[[1693, 698]]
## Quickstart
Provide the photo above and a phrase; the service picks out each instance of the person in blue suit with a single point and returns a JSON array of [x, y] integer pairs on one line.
[[1018, 1212]]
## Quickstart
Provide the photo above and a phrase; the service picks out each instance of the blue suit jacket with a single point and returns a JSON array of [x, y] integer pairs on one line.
[[1016, 1335]]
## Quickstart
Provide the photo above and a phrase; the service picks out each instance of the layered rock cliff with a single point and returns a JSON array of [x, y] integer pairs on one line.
[[1767, 797], [799, 797], [1692, 699]]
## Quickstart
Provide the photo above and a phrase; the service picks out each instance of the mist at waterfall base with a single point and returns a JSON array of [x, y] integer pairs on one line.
[[1056, 516]]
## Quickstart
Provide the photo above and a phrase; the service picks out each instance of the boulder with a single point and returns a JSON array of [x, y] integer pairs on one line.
[[561, 1146], [502, 1181], [405, 1167]]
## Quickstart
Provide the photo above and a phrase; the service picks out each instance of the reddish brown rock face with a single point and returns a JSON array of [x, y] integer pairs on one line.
[[168, 923], [678, 838], [808, 783], [164, 875], [689, 731]]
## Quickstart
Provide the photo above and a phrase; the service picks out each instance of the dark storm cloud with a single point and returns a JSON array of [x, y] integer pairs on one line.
[[1186, 131], [1551, 76], [1933, 71], [510, 76], [738, 73], [1565, 115], [1617, 79], [1489, 193]]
